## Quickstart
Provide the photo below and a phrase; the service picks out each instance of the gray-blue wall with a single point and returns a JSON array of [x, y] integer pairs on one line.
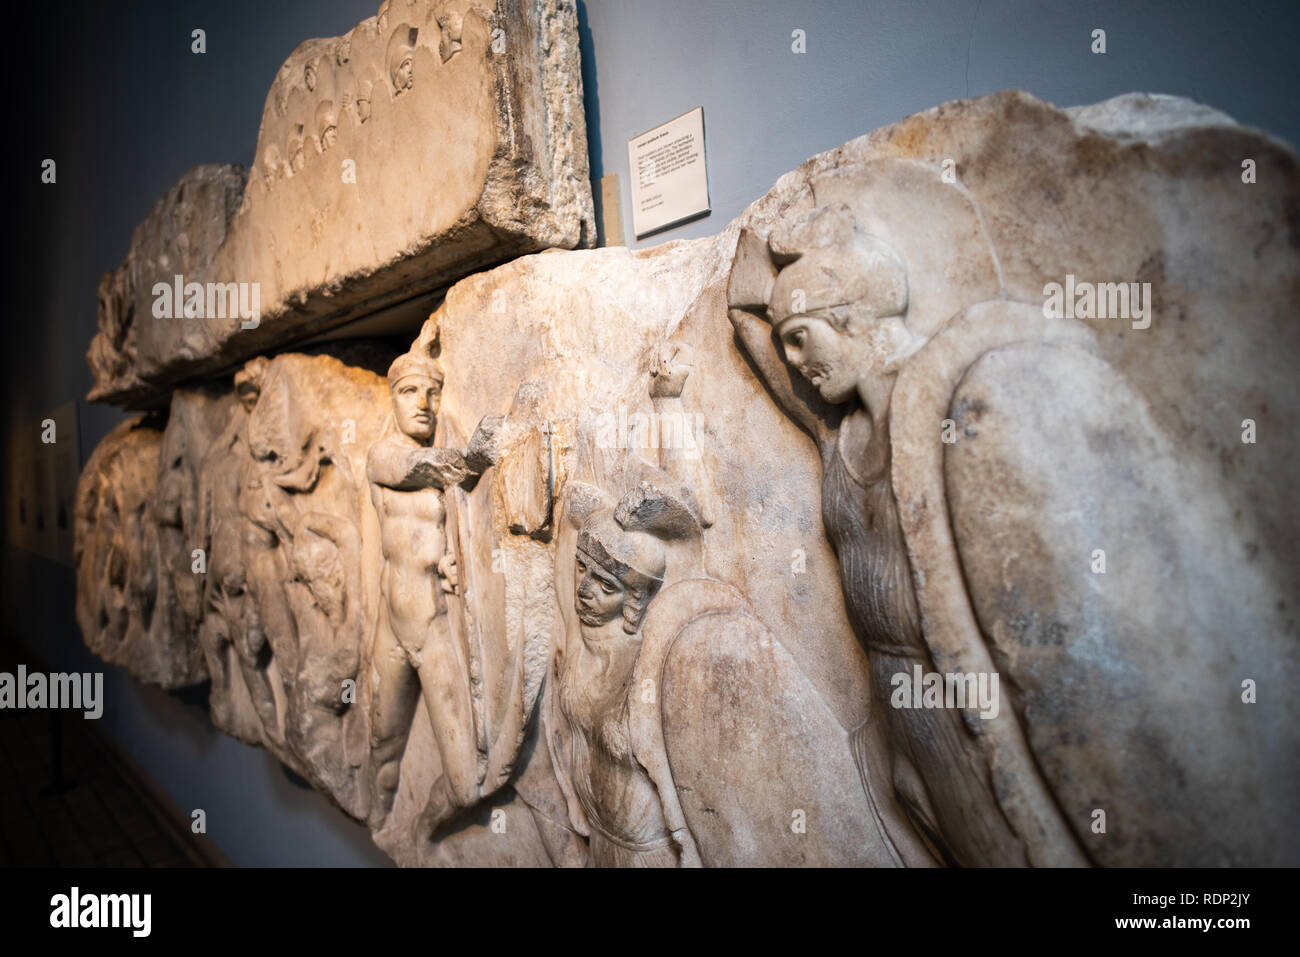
[[869, 63], [116, 96]]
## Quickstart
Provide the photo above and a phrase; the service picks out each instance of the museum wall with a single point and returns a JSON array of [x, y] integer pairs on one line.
[[870, 63], [126, 117], [127, 109]]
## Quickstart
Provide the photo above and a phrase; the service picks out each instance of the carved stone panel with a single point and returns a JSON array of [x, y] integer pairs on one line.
[[433, 139], [127, 608], [936, 512]]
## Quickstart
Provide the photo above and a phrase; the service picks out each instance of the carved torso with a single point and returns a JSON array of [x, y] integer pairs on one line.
[[413, 540]]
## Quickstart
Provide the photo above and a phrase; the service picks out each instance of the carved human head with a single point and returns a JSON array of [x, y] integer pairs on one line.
[[838, 302], [415, 382], [363, 102], [293, 149], [326, 125], [272, 165], [619, 570], [401, 55]]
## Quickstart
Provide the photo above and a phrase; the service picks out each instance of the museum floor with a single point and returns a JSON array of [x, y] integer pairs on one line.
[[89, 814]]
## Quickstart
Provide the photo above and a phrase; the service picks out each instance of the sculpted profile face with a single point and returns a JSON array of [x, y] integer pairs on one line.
[[837, 305], [827, 357], [401, 56], [402, 74], [326, 125]]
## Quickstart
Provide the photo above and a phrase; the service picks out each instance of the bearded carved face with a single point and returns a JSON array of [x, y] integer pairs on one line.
[[822, 354]]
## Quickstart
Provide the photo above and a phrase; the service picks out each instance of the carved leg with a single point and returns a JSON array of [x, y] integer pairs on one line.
[[248, 649], [391, 710], [878, 768], [274, 615], [445, 686], [939, 778], [214, 641]]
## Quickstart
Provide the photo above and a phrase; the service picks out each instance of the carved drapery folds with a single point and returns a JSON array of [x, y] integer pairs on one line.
[[647, 559]]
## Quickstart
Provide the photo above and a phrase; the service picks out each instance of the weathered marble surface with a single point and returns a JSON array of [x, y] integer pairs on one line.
[[1122, 691], [127, 611], [662, 529], [432, 140]]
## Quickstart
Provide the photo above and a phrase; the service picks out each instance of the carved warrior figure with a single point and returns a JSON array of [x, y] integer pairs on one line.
[[838, 306], [620, 779], [415, 647], [284, 595], [116, 550], [618, 766], [326, 125], [196, 417], [224, 630]]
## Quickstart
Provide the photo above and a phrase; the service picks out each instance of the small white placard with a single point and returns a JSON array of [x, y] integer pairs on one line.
[[669, 180]]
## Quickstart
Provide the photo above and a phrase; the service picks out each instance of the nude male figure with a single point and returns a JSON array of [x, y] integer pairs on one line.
[[415, 647]]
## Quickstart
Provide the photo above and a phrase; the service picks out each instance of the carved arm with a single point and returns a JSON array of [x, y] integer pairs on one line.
[[748, 289], [410, 469]]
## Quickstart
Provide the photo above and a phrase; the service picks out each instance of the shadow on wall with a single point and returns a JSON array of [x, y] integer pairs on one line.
[[591, 107]]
